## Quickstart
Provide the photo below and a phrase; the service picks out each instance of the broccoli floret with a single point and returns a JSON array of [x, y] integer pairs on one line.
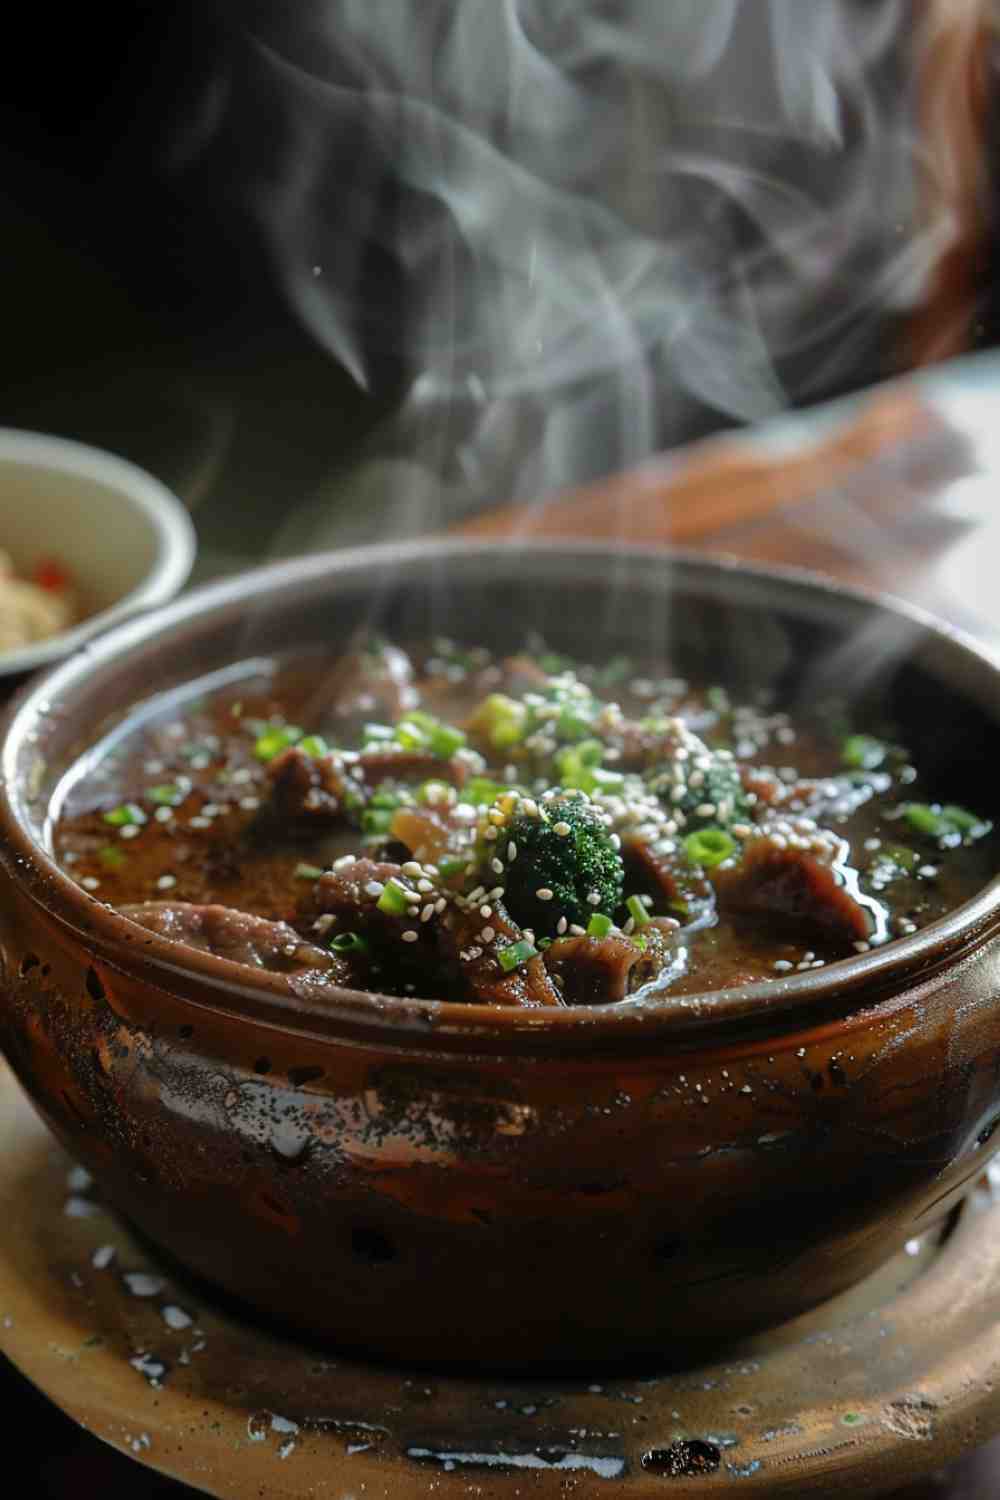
[[565, 851], [709, 795]]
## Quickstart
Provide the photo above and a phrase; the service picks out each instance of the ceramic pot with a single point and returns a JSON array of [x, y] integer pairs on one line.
[[448, 1182]]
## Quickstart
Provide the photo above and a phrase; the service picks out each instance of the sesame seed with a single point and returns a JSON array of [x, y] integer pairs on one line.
[[374, 888], [561, 926], [782, 965], [166, 882], [562, 829], [594, 898], [496, 866], [543, 893], [409, 936], [427, 912], [130, 831], [211, 810], [412, 868], [425, 886], [477, 894], [577, 930], [249, 803], [615, 841], [89, 883], [486, 912], [440, 905], [344, 860], [198, 822], [487, 935], [490, 835], [862, 947], [511, 851]]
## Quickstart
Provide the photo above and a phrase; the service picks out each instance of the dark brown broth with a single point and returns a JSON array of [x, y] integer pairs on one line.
[[217, 845]]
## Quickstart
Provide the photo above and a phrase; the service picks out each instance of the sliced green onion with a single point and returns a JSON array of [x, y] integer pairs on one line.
[[638, 940], [395, 899], [377, 820], [599, 925], [516, 954], [127, 813], [573, 724], [445, 739], [709, 847], [925, 819], [112, 857], [167, 795], [349, 942], [962, 820], [411, 735], [578, 768], [637, 911], [307, 872], [500, 719], [863, 751], [315, 745], [480, 791], [897, 854], [275, 739]]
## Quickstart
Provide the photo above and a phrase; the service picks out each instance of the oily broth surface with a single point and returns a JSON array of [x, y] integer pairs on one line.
[[219, 846]]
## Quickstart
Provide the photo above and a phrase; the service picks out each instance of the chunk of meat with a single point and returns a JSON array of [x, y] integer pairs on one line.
[[396, 764], [433, 833], [239, 936], [591, 971], [475, 964], [666, 875], [811, 887], [319, 787], [601, 971], [376, 683], [350, 896]]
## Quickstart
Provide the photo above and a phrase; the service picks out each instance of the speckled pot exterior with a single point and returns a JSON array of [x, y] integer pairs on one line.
[[447, 1182]]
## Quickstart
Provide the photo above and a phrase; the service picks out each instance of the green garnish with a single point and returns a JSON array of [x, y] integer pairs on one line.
[[579, 768], [128, 812], [315, 745], [500, 720], [944, 822], [307, 872], [480, 791], [516, 954], [421, 731], [451, 865], [638, 940], [395, 899], [167, 795], [599, 925], [112, 857], [709, 847], [637, 911], [274, 739], [349, 942], [378, 815], [863, 751]]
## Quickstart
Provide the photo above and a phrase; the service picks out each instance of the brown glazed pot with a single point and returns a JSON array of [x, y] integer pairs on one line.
[[449, 1182]]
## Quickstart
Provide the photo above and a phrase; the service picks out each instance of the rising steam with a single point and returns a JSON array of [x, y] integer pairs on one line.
[[586, 229]]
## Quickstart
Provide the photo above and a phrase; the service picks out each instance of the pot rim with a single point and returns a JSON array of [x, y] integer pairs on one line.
[[230, 988]]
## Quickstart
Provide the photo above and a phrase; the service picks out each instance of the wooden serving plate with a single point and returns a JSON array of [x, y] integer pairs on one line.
[[875, 1389]]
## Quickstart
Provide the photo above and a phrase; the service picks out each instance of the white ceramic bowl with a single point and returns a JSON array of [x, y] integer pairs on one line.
[[127, 541]]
